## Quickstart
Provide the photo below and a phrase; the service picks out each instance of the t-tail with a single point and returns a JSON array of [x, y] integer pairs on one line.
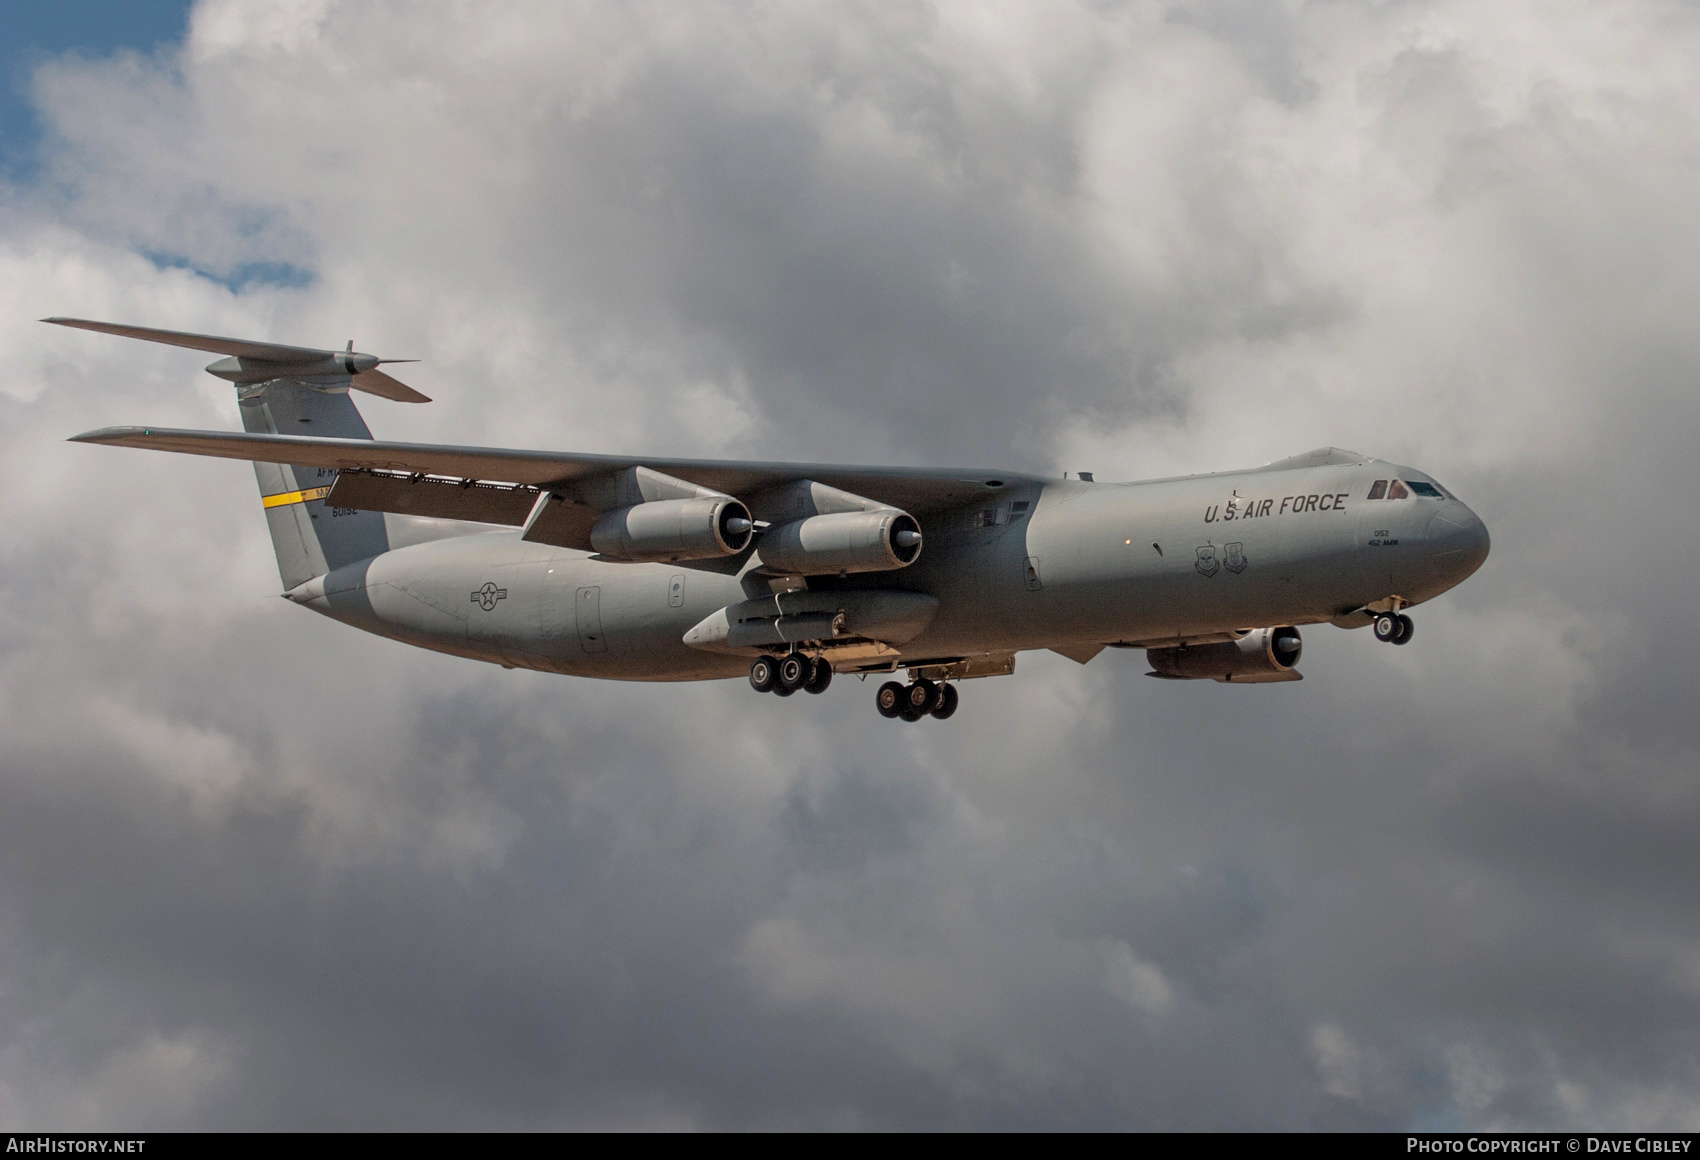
[[310, 537], [290, 390]]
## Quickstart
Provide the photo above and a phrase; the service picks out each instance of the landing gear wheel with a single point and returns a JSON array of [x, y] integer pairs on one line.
[[1386, 627], [890, 699], [1406, 628], [819, 677], [923, 697], [794, 669], [782, 691], [764, 674], [912, 714], [947, 703]]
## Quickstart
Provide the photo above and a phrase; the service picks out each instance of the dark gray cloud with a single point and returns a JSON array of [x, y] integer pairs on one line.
[[259, 870]]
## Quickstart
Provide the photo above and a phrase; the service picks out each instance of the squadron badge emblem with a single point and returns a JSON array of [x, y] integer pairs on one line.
[[1206, 562], [1233, 558]]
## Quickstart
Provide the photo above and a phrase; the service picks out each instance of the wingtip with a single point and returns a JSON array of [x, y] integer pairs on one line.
[[108, 434]]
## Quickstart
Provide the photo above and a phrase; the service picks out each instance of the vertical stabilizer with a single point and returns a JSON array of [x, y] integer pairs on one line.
[[310, 537]]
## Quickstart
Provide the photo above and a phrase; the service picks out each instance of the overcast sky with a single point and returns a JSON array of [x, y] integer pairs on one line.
[[259, 870]]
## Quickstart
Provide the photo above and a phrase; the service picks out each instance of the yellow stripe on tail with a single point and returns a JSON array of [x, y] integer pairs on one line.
[[279, 500]]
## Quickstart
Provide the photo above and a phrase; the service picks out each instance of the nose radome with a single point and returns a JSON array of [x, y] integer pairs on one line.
[[1457, 540]]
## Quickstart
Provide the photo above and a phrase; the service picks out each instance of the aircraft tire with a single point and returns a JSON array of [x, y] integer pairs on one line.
[[794, 670], [1386, 627], [764, 674], [947, 701], [1406, 628], [820, 676], [889, 699], [782, 691], [923, 696], [912, 714]]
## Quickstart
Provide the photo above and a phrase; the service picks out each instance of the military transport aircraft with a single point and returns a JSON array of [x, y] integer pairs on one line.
[[647, 569]]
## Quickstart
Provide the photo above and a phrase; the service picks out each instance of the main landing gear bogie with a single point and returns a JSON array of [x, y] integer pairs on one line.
[[783, 676], [916, 700], [1394, 628]]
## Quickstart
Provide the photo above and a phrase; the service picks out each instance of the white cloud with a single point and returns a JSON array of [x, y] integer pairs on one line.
[[153, 1082], [1337, 1063], [402, 888], [1136, 982]]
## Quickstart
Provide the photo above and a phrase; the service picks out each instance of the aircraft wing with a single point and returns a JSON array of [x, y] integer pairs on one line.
[[493, 485]]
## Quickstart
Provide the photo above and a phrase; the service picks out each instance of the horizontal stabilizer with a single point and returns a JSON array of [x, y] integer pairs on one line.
[[260, 361], [212, 344], [378, 383]]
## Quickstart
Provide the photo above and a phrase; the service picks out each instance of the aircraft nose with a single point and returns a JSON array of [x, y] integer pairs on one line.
[[1457, 540]]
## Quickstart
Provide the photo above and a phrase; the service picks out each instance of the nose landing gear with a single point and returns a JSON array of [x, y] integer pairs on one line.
[[1394, 627]]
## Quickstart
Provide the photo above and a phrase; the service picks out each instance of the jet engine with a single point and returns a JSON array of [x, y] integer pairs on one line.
[[674, 529], [862, 541], [1261, 655]]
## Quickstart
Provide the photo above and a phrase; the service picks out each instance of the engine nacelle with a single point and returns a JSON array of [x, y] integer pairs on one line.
[[674, 529], [867, 541], [1263, 654]]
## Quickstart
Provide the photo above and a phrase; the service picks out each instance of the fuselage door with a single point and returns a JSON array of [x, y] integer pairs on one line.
[[588, 607]]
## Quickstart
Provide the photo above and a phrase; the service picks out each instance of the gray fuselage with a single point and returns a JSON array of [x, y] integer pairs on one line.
[[1063, 564]]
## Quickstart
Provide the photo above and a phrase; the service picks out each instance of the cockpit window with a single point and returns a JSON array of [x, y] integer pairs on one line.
[[1427, 489], [1378, 489], [1397, 491]]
